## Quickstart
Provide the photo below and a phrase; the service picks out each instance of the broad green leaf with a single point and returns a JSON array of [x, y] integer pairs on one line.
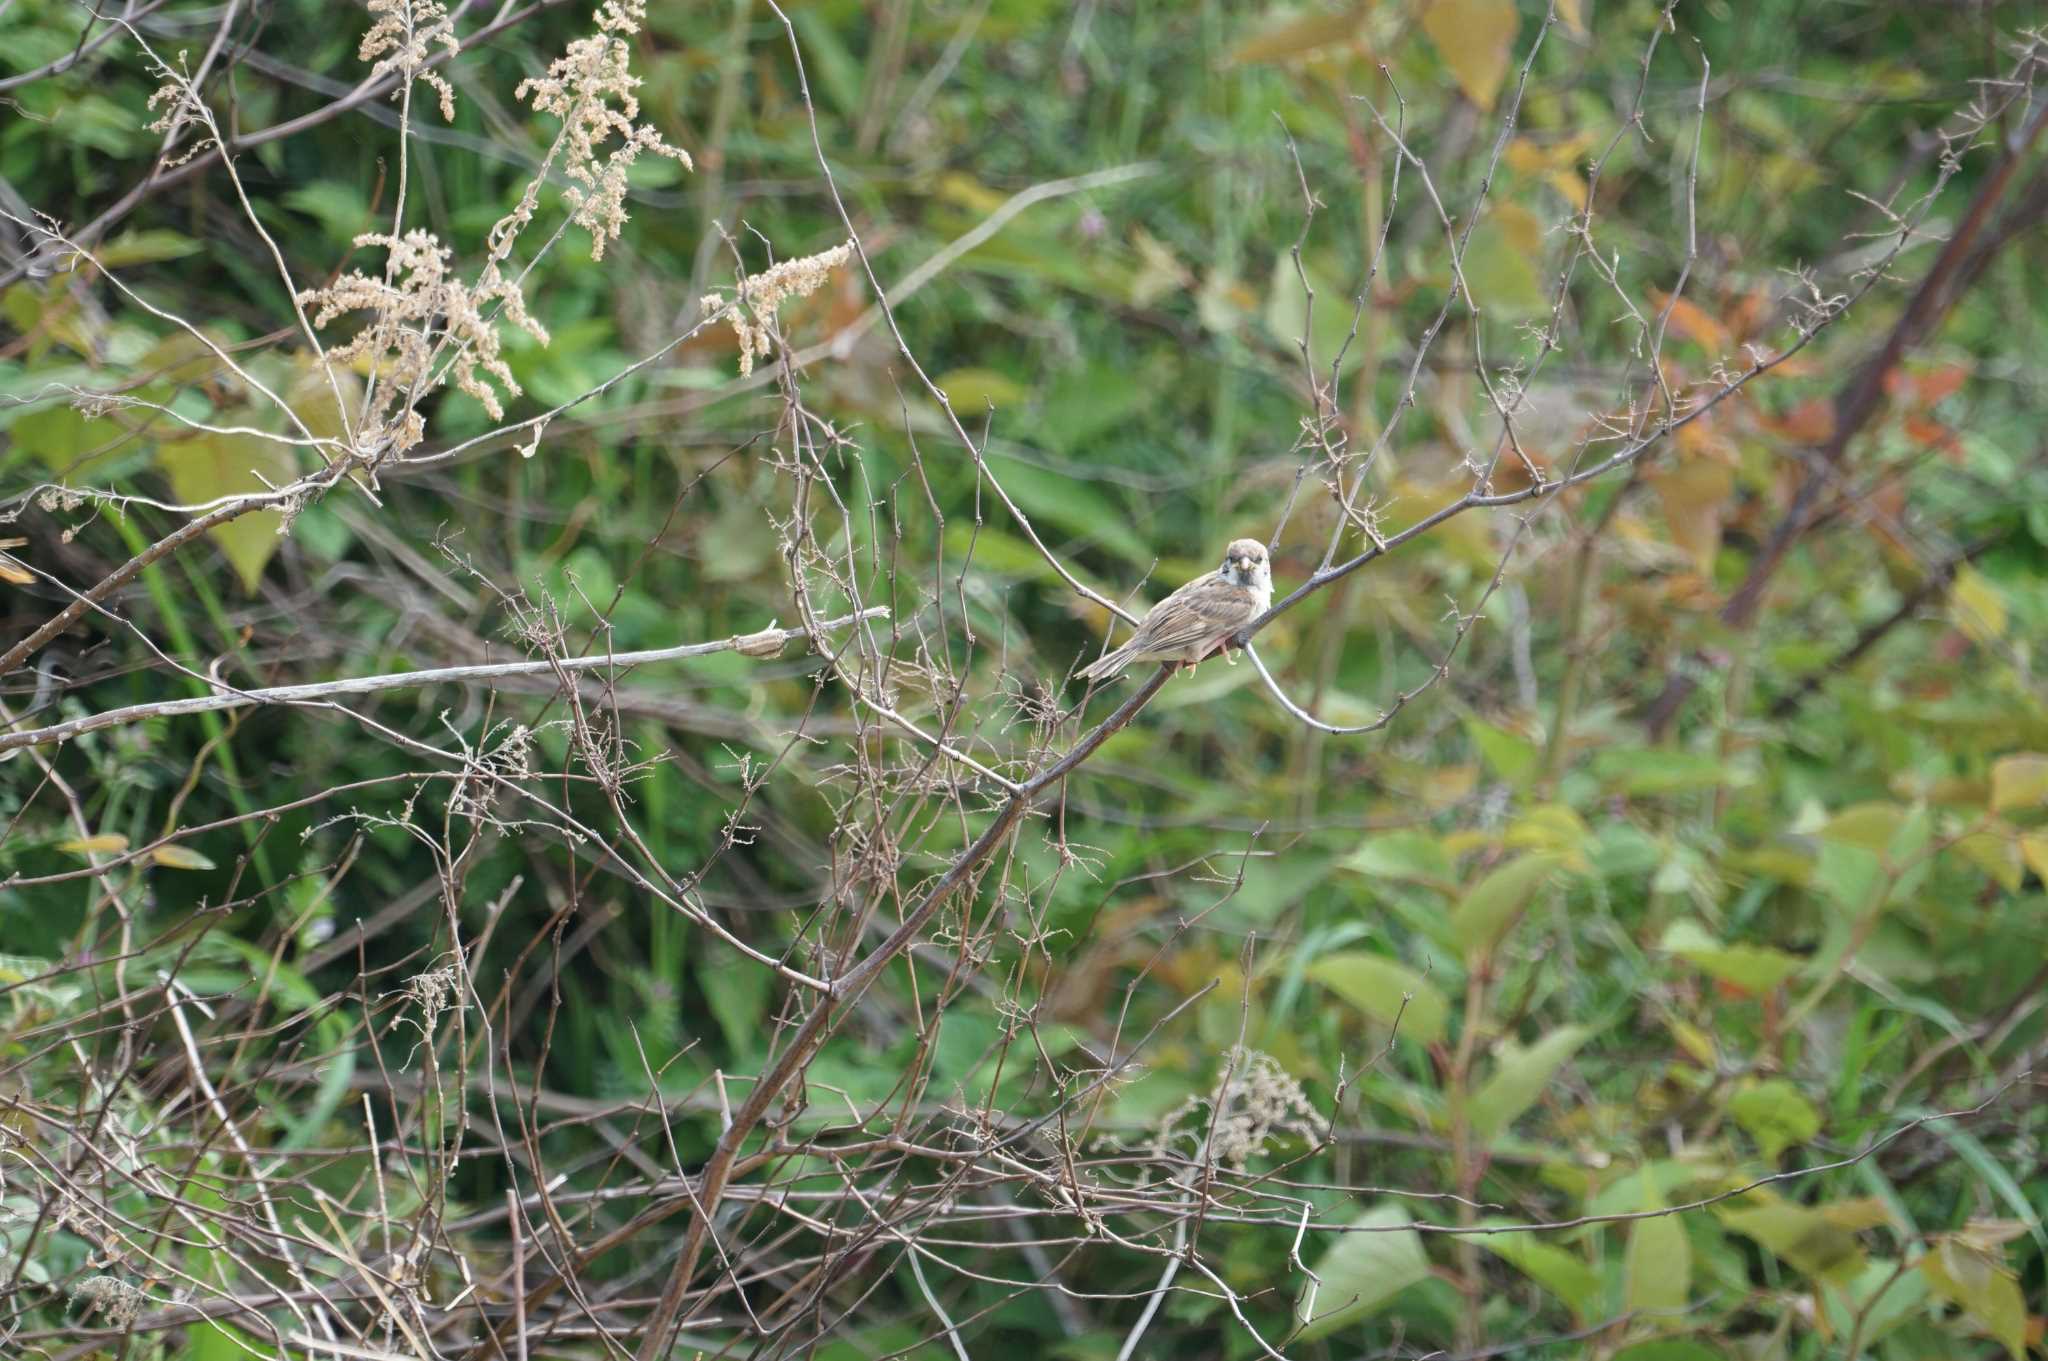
[[1753, 968], [1979, 1283], [1850, 875], [59, 437], [1818, 1240], [145, 247], [1476, 39], [738, 999], [1410, 854], [2019, 781], [1074, 509], [1519, 1077], [1776, 1114], [971, 390], [1652, 771], [207, 467], [1513, 758], [1884, 1297], [1657, 1265], [1868, 825], [1560, 1271], [1554, 827], [1491, 906], [1376, 986], [1500, 262], [1362, 1271], [339, 207]]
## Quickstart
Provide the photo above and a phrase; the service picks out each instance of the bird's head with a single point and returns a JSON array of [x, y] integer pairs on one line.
[[1244, 564]]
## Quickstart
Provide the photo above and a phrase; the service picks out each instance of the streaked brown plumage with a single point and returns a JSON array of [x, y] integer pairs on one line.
[[1199, 617]]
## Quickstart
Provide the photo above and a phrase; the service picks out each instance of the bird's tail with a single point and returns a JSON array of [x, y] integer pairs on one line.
[[1109, 666]]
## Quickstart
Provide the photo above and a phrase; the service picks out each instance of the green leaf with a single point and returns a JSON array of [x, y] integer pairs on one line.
[[1513, 758], [1820, 1241], [1557, 1270], [971, 390], [1376, 986], [1884, 1297], [1753, 968], [1668, 1349], [1500, 262], [2019, 781], [206, 467], [340, 209], [1362, 1271], [1658, 1263], [58, 437], [1519, 1077], [738, 999], [1978, 1282], [1410, 854], [145, 247], [1652, 771], [1776, 1114], [1074, 508], [1491, 906], [1850, 875]]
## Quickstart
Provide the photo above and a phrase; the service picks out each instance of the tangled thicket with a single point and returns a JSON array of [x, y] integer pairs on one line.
[[400, 966]]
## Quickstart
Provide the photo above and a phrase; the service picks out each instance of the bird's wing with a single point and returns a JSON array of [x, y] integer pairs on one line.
[[1198, 612]]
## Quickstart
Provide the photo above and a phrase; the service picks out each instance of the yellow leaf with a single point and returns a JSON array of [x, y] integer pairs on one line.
[[207, 467], [2019, 781], [312, 396], [1476, 39], [1299, 36], [1574, 17], [1975, 606], [2034, 850], [1693, 494], [180, 858], [14, 574], [106, 843]]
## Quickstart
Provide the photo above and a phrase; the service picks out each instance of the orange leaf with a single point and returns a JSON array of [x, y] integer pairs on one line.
[[1933, 434], [1692, 321], [1811, 422], [1940, 383]]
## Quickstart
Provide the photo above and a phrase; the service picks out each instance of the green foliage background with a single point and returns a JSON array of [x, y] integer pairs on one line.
[[1640, 969]]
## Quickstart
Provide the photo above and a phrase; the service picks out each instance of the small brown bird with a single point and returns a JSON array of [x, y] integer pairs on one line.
[[1199, 617]]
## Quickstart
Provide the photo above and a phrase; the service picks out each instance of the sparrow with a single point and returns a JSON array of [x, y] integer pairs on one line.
[[1199, 617]]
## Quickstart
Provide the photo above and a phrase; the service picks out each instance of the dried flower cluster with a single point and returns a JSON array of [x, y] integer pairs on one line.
[[752, 310], [1254, 1100], [414, 317], [118, 1302], [580, 88], [402, 39]]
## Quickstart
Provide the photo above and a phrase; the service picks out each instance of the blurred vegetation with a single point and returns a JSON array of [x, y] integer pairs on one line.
[[1636, 964]]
